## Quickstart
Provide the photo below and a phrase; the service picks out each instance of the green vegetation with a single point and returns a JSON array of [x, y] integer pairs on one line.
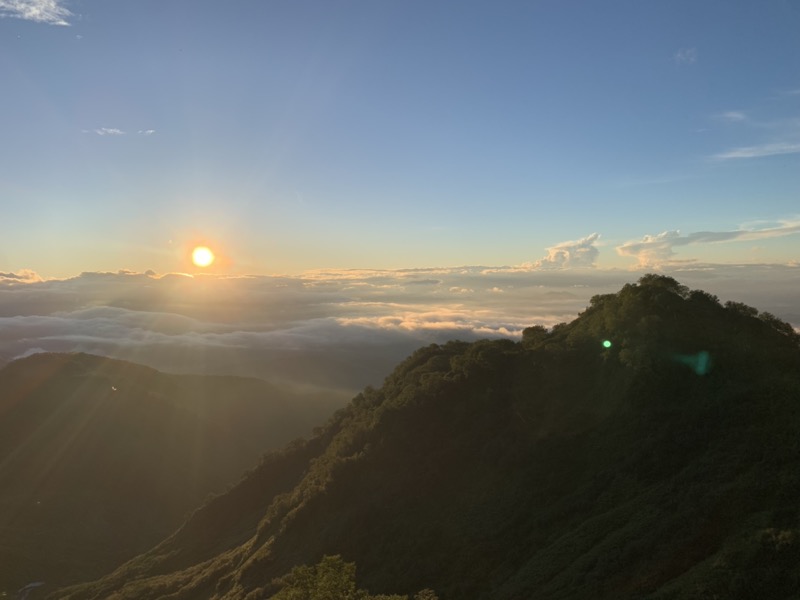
[[666, 466], [331, 579]]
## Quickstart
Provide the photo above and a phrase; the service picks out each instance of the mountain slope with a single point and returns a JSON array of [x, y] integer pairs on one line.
[[663, 463], [100, 459]]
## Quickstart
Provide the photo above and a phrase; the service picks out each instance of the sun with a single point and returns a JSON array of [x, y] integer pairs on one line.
[[202, 256]]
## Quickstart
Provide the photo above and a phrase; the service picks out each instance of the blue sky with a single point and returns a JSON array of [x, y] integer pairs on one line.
[[292, 136]]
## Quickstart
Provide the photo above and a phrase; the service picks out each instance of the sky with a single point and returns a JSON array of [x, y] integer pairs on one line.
[[296, 135], [411, 168]]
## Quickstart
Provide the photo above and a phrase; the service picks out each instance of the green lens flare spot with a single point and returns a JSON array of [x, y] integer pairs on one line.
[[606, 344], [700, 363]]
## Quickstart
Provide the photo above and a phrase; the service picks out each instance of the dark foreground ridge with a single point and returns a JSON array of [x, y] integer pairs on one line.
[[648, 449], [101, 459]]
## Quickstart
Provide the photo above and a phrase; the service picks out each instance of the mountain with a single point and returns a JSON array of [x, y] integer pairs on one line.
[[648, 449], [100, 459]]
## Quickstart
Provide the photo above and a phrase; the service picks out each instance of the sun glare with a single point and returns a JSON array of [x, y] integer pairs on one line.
[[202, 256]]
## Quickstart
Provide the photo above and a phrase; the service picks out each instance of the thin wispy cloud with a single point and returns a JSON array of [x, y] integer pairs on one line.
[[117, 131], [733, 116], [685, 56], [759, 151], [654, 251], [776, 135], [51, 12]]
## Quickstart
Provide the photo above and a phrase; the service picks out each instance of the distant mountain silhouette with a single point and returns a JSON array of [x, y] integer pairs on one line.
[[648, 449], [100, 459]]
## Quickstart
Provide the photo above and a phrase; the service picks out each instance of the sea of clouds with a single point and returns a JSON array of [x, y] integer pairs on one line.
[[335, 329]]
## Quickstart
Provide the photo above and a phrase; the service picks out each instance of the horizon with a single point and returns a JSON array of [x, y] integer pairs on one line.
[[293, 136], [326, 330]]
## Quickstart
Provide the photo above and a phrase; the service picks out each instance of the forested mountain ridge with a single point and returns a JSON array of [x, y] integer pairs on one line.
[[648, 449], [100, 459]]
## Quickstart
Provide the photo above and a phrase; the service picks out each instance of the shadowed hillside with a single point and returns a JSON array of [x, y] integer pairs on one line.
[[100, 459], [648, 449]]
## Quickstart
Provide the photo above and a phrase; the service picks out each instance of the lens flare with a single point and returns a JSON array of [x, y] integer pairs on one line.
[[700, 363]]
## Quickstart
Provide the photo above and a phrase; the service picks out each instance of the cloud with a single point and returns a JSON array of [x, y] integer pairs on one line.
[[52, 12], [344, 329], [734, 116], [23, 276], [580, 253], [686, 56], [340, 330], [454, 323], [117, 131], [108, 131], [778, 135], [29, 352], [656, 250], [651, 250], [770, 149]]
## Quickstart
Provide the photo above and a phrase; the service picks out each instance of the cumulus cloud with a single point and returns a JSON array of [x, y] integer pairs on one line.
[[51, 12], [580, 253], [651, 250], [657, 250]]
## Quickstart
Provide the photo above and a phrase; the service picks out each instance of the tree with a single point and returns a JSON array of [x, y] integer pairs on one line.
[[534, 335], [331, 579], [664, 282], [740, 308], [778, 325]]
